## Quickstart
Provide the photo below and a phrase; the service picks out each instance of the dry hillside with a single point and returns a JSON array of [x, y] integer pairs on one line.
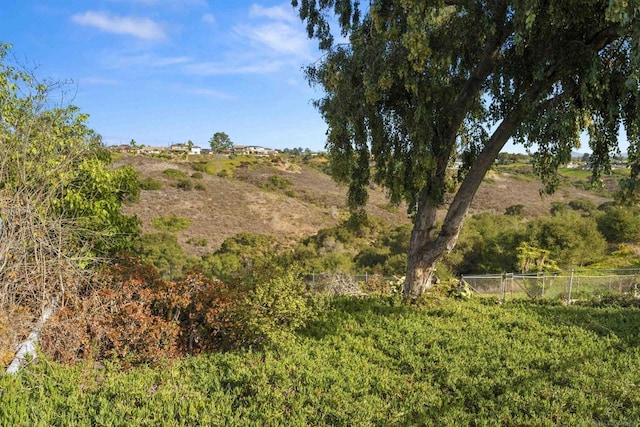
[[311, 201]]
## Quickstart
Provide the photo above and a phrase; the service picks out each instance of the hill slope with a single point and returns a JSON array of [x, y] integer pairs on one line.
[[294, 201]]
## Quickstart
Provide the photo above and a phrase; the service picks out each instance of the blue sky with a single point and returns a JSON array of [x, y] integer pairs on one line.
[[165, 71]]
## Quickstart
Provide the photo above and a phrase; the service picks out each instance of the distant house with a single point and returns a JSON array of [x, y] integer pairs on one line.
[[195, 150], [179, 148], [150, 150], [252, 150]]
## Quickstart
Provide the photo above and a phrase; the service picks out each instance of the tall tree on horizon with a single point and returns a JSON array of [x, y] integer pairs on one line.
[[415, 85]]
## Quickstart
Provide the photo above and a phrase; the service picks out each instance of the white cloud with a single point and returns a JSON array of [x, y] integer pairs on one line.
[[279, 38], [210, 93], [219, 68], [142, 28], [209, 19], [170, 3], [100, 81], [276, 13], [144, 59]]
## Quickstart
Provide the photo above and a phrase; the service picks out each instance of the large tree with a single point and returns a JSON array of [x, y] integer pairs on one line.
[[415, 84], [220, 142]]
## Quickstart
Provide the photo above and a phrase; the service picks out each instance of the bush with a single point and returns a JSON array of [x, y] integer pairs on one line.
[[174, 173], [275, 306], [280, 182], [170, 223], [573, 240], [515, 210], [131, 314], [584, 205], [150, 184], [200, 187], [619, 224], [184, 184], [115, 319], [163, 251], [195, 241], [197, 175], [200, 167]]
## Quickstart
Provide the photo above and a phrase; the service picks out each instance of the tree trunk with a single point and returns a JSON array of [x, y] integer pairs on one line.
[[428, 245]]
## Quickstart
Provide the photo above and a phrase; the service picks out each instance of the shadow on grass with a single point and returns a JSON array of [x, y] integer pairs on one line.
[[622, 321], [342, 309]]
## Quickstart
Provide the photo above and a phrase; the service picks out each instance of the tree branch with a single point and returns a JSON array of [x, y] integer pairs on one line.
[[488, 58]]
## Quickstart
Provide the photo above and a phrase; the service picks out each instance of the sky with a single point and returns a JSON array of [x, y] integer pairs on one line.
[[170, 71]]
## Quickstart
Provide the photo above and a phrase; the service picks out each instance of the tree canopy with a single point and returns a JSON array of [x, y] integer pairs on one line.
[[220, 141], [415, 85]]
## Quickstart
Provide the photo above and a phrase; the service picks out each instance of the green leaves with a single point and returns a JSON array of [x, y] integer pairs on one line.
[[60, 200], [454, 363]]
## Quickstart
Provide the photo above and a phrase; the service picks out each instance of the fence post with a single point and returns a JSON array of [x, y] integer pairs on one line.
[[503, 286], [570, 287]]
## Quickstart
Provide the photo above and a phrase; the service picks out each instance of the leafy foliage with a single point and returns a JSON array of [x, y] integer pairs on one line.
[[163, 251], [176, 174], [220, 142], [60, 199], [276, 305], [418, 84], [572, 240], [620, 224], [239, 255], [451, 363], [150, 184]]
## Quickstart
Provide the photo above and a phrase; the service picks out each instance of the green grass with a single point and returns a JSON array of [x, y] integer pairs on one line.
[[371, 362]]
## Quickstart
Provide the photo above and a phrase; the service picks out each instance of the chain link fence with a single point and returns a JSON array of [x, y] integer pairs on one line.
[[570, 285]]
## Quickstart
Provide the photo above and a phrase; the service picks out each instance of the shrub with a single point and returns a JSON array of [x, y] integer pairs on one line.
[[336, 284], [619, 224], [558, 208], [170, 223], [163, 251], [174, 173], [200, 187], [280, 182], [200, 167], [274, 307], [195, 241], [150, 184], [184, 184], [573, 240], [585, 205], [197, 175], [515, 210], [131, 314], [115, 319]]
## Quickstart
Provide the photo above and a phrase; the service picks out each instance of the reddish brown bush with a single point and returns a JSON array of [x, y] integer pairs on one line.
[[130, 313]]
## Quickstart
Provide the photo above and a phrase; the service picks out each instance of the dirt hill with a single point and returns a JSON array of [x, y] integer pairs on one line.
[[292, 201]]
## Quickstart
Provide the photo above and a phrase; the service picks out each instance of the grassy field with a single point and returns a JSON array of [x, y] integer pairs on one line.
[[370, 362]]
